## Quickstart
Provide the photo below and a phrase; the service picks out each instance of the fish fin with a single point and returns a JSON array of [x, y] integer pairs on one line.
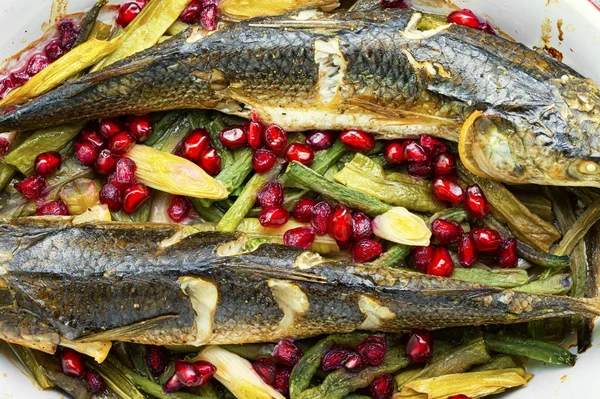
[[590, 305], [312, 23], [126, 332]]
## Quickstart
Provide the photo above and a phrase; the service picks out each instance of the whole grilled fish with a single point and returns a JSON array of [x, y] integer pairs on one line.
[[397, 73], [62, 284]]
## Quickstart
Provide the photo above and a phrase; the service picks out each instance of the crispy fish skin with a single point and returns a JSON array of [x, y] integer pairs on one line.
[[116, 282]]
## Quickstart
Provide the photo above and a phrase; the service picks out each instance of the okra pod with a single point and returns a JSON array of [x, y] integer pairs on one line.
[[27, 357], [498, 362], [533, 349], [393, 257], [559, 284], [503, 278]]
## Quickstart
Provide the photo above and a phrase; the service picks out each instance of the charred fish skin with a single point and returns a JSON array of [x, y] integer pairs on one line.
[[117, 282]]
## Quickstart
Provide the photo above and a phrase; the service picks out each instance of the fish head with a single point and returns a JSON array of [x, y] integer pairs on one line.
[[552, 144]]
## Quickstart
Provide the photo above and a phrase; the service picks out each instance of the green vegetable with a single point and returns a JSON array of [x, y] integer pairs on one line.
[[457, 215], [537, 204], [579, 229], [87, 26], [29, 360], [559, 284], [321, 164], [251, 351], [6, 174], [117, 380], [533, 349], [215, 127], [503, 278], [176, 127], [393, 257], [498, 362], [162, 126], [210, 213]]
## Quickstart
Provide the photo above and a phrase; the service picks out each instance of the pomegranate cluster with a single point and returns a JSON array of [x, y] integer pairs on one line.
[[276, 371], [189, 375], [73, 364], [203, 12]]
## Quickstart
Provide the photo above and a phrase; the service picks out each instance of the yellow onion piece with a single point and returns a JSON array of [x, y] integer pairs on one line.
[[79, 195], [95, 214], [401, 226]]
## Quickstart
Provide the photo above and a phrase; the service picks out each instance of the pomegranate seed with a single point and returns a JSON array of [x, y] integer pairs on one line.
[[320, 140], [72, 363], [110, 127], [20, 77], [507, 253], [467, 253], [68, 33], [124, 175], [344, 245], [441, 264], [210, 161], [393, 4], [354, 362], [127, 13], [287, 352], [6, 85], [31, 187], [372, 350], [179, 208], [274, 216], [459, 396], [394, 152], [475, 202], [464, 17], [94, 382], [419, 345], [263, 160], [194, 143], [319, 217], [446, 231], [53, 50], [444, 164], [157, 359], [86, 152], [303, 209], [366, 250], [339, 224], [361, 226], [357, 140], [4, 146], [233, 137], [206, 370], [110, 195], [335, 357], [271, 195], [421, 257], [301, 237], [105, 163], [265, 368], [135, 196], [93, 137], [36, 64], [432, 145], [282, 379], [254, 132], [445, 188], [487, 28], [486, 239], [420, 170], [187, 373], [53, 208], [382, 387], [191, 13], [47, 163], [140, 126], [172, 385], [121, 142], [275, 138], [208, 16], [413, 152], [299, 152]]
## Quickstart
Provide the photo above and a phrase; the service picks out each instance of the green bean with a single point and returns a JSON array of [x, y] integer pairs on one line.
[[7, 172], [579, 229], [161, 127], [355, 396], [116, 379], [393, 257], [210, 213], [498, 362], [457, 215], [251, 351], [214, 127], [533, 349], [537, 204], [503, 278], [139, 361], [558, 284], [89, 22], [28, 358], [406, 376], [174, 133]]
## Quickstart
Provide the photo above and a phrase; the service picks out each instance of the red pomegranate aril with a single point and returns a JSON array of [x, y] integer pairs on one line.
[[366, 250], [441, 264], [372, 350], [344, 245], [208, 16], [361, 226], [210, 161], [446, 231], [233, 137], [53, 50], [206, 370], [487, 28], [111, 195], [124, 175], [357, 140], [157, 359], [110, 127], [446, 188], [319, 217], [459, 396], [282, 379], [422, 256], [263, 160], [393, 4], [47, 163], [194, 143], [275, 138], [20, 77], [432, 145], [68, 33], [6, 85], [94, 382], [272, 217], [339, 224], [420, 170], [287, 352], [140, 126], [419, 345], [467, 252], [127, 13], [320, 140], [172, 385], [444, 164], [121, 142], [303, 209], [335, 357], [179, 208], [105, 163], [187, 373], [507, 253], [394, 152], [31, 187], [413, 152], [36, 64], [382, 387], [486, 239], [72, 363], [53, 208], [265, 368], [300, 237], [299, 152], [93, 137], [4, 146], [86, 152], [475, 202], [271, 195], [254, 132], [464, 17], [191, 13], [354, 363], [135, 196]]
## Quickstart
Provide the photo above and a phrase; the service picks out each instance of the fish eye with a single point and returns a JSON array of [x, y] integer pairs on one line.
[[588, 168]]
